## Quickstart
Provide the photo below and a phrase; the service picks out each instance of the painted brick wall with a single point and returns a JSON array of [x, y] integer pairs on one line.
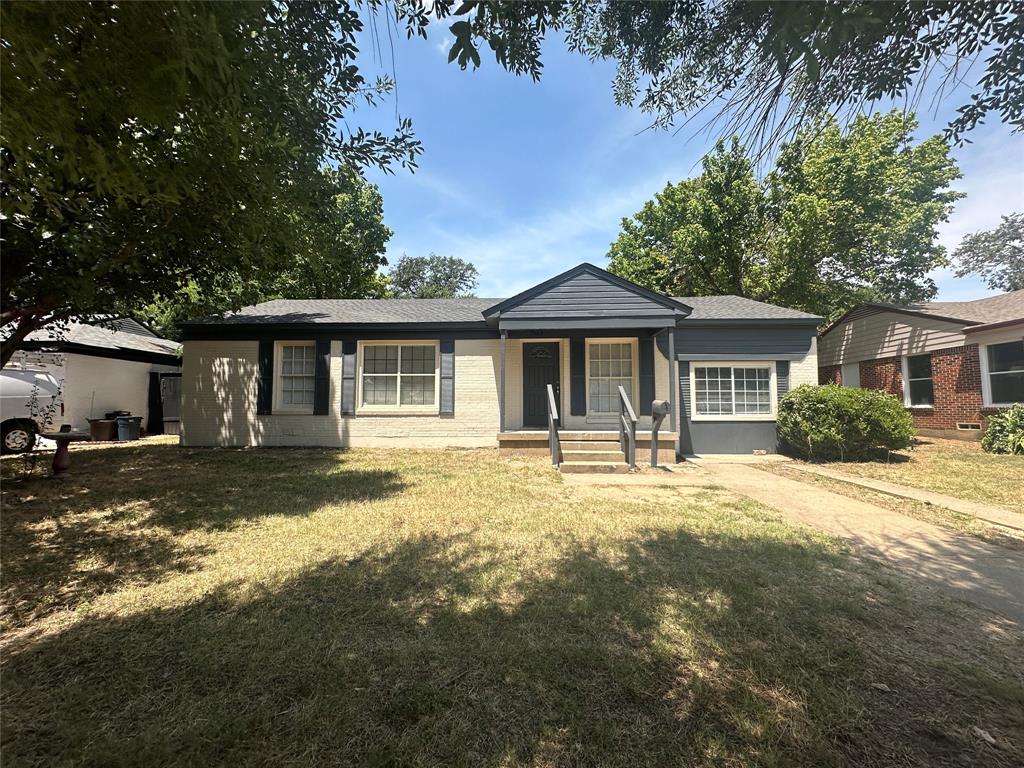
[[805, 370], [219, 404]]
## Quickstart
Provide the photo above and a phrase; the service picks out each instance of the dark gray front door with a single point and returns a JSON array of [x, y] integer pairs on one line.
[[540, 368]]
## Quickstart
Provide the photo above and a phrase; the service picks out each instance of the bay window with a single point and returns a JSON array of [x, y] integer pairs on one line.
[[399, 375], [734, 391], [1003, 373]]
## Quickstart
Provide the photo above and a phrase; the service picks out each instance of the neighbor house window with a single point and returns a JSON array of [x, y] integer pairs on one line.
[[1004, 373], [610, 366], [734, 391], [399, 375], [296, 375], [917, 373]]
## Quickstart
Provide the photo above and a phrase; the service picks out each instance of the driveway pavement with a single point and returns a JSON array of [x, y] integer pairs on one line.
[[968, 568]]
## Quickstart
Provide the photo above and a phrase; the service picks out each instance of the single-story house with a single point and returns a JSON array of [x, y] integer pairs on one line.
[[108, 365], [953, 362], [475, 372]]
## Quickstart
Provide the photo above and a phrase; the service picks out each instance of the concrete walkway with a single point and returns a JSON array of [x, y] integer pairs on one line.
[[968, 568], [986, 512]]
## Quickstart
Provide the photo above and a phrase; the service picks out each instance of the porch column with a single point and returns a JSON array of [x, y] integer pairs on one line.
[[673, 393], [501, 382]]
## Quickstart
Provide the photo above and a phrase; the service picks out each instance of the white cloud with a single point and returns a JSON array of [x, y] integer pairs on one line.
[[445, 45]]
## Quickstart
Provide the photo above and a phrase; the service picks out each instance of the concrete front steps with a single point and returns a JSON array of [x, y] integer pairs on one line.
[[589, 452]]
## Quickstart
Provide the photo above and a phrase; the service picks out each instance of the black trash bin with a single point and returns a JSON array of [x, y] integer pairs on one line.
[[128, 427], [115, 414]]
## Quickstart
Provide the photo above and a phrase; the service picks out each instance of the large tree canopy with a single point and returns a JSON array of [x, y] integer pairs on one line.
[[148, 148], [845, 216], [996, 254], [336, 254], [432, 277], [764, 67]]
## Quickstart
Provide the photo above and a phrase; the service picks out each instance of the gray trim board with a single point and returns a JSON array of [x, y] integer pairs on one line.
[[587, 323]]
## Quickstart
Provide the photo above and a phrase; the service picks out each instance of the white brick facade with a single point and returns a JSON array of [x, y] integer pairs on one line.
[[219, 383]]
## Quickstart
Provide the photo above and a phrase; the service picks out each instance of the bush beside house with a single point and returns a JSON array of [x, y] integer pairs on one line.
[[1005, 433], [833, 422]]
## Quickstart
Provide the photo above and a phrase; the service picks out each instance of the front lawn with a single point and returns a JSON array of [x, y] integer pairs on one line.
[[954, 467], [311, 607]]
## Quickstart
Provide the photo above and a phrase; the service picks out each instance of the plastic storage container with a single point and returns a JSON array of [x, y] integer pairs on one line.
[[128, 427], [103, 429]]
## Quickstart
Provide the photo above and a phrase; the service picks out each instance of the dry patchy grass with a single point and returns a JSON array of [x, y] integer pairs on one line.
[[960, 522], [171, 606], [954, 467]]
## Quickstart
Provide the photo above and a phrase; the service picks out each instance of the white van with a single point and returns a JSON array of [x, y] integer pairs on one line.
[[30, 402]]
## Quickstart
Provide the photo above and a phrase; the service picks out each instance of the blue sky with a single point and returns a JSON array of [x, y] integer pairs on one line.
[[527, 179]]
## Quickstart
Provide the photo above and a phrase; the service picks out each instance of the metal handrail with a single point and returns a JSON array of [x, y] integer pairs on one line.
[[553, 442], [627, 428]]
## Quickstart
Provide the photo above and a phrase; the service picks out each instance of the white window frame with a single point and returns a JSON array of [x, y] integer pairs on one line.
[[853, 368], [905, 372], [398, 407], [634, 353], [279, 405], [773, 390], [986, 384]]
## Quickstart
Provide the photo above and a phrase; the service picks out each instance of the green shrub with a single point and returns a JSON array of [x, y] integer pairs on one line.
[[1005, 432], [834, 422]]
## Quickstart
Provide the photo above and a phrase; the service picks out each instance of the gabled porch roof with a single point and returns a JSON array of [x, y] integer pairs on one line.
[[584, 298]]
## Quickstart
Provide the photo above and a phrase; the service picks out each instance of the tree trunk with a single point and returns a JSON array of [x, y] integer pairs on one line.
[[24, 326]]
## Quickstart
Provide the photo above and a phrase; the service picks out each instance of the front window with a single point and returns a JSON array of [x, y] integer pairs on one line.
[[611, 366], [297, 375], [1005, 372], [920, 391], [725, 390], [397, 375]]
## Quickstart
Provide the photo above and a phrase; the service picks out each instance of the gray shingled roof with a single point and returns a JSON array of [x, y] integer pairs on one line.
[[994, 309], [739, 308], [465, 310], [105, 338]]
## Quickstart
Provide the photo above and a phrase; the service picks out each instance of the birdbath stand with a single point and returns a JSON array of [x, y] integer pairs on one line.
[[62, 458]]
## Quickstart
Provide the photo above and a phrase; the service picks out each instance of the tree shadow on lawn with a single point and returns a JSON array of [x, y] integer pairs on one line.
[[669, 650], [120, 517]]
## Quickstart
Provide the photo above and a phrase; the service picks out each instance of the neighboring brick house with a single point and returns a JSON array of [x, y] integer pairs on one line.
[[952, 362]]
